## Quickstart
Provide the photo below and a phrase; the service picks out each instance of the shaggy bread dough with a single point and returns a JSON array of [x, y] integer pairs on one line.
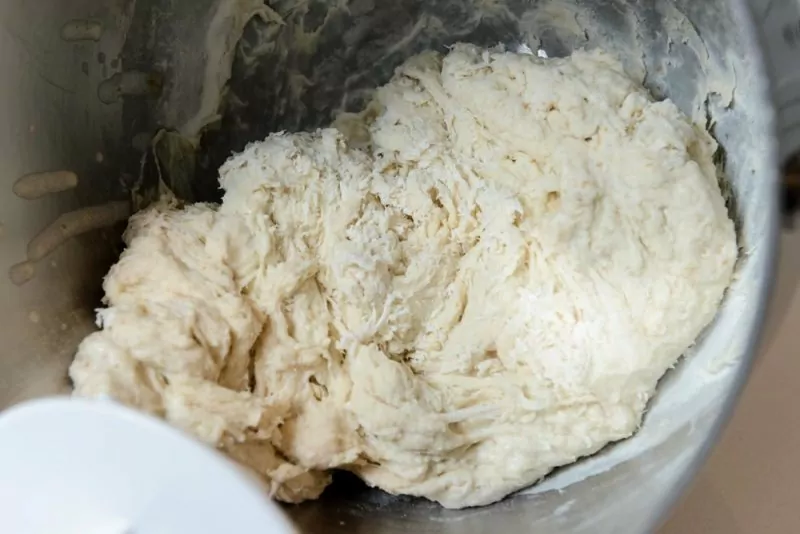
[[490, 289]]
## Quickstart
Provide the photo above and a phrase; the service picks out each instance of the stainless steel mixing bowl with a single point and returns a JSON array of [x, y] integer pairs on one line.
[[86, 84]]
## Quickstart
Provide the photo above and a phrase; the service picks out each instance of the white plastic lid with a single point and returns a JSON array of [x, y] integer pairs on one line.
[[95, 467]]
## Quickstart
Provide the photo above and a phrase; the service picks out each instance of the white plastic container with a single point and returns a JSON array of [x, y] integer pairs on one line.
[[94, 467]]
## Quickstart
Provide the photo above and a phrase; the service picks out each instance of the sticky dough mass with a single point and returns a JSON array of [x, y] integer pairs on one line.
[[481, 279]]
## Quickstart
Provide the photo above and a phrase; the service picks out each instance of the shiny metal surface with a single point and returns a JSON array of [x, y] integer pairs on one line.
[[60, 114]]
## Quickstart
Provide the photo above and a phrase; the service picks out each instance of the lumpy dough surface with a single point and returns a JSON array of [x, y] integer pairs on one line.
[[481, 279]]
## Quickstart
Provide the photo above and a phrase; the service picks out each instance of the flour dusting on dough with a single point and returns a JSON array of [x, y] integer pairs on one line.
[[490, 288]]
